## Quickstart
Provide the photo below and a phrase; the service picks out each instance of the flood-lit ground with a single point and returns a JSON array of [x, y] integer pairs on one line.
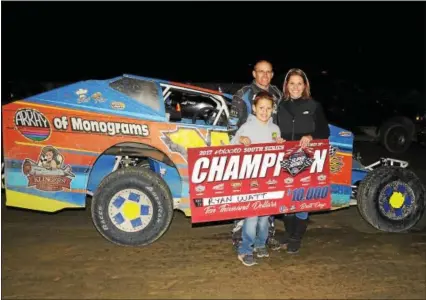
[[63, 256]]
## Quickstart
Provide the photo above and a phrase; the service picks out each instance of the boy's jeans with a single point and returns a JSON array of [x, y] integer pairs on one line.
[[254, 232]]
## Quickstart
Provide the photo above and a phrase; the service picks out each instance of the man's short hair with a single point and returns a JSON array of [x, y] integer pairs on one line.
[[261, 61]]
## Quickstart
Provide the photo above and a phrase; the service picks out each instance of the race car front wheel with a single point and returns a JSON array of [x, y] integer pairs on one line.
[[132, 207], [391, 199]]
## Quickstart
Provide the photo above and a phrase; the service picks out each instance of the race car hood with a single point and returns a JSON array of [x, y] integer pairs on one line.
[[341, 137], [98, 96], [341, 140]]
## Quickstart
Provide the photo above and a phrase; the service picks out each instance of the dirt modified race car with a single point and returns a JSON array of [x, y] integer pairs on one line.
[[120, 147]]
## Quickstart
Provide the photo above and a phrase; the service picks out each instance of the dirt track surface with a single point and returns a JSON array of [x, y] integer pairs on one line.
[[61, 256]]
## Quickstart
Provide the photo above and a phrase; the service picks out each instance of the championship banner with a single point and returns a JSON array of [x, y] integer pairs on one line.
[[236, 181]]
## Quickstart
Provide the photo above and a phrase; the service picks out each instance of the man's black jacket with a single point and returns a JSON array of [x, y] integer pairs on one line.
[[243, 100]]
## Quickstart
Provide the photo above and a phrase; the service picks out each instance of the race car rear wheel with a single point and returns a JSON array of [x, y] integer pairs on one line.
[[395, 137], [132, 207], [391, 199], [421, 224]]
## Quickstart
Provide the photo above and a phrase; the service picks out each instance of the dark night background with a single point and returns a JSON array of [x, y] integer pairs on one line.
[[379, 43]]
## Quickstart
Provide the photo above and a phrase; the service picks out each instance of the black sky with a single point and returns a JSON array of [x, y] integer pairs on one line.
[[212, 41]]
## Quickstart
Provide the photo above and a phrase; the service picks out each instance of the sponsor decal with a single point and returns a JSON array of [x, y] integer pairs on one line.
[[236, 185], [48, 173], [93, 126], [336, 161], [200, 188], [254, 184], [97, 97], [219, 187], [306, 179], [271, 182], [118, 105], [345, 133], [32, 124], [322, 177], [82, 96], [288, 180], [333, 150], [163, 171]]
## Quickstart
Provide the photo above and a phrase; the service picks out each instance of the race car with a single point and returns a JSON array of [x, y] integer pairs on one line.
[[120, 146]]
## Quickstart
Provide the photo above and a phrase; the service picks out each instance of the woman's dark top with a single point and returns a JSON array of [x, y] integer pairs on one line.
[[300, 117]]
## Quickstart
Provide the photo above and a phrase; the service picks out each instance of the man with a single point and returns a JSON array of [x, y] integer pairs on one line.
[[243, 98], [241, 108]]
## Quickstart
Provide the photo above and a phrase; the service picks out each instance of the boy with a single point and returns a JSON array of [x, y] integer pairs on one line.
[[259, 128]]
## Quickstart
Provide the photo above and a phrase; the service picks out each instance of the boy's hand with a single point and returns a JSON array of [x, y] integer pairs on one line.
[[280, 140], [305, 140], [245, 140]]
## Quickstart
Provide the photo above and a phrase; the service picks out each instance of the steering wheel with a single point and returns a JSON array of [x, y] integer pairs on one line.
[[208, 114]]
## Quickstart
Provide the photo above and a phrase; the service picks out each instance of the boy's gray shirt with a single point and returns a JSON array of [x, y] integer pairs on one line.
[[257, 131]]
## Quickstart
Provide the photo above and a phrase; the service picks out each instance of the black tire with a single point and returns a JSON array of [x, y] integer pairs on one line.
[[144, 164], [374, 206], [421, 224], [409, 124], [395, 137], [143, 181]]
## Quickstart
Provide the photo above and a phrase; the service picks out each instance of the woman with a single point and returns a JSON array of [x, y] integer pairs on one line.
[[300, 118]]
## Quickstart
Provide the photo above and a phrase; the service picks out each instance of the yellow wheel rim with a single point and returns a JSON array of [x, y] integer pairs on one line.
[[397, 200]]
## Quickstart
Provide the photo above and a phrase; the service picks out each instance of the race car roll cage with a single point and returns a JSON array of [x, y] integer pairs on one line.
[[220, 102]]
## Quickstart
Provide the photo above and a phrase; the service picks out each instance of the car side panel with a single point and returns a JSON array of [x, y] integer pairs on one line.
[[341, 142], [77, 137]]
